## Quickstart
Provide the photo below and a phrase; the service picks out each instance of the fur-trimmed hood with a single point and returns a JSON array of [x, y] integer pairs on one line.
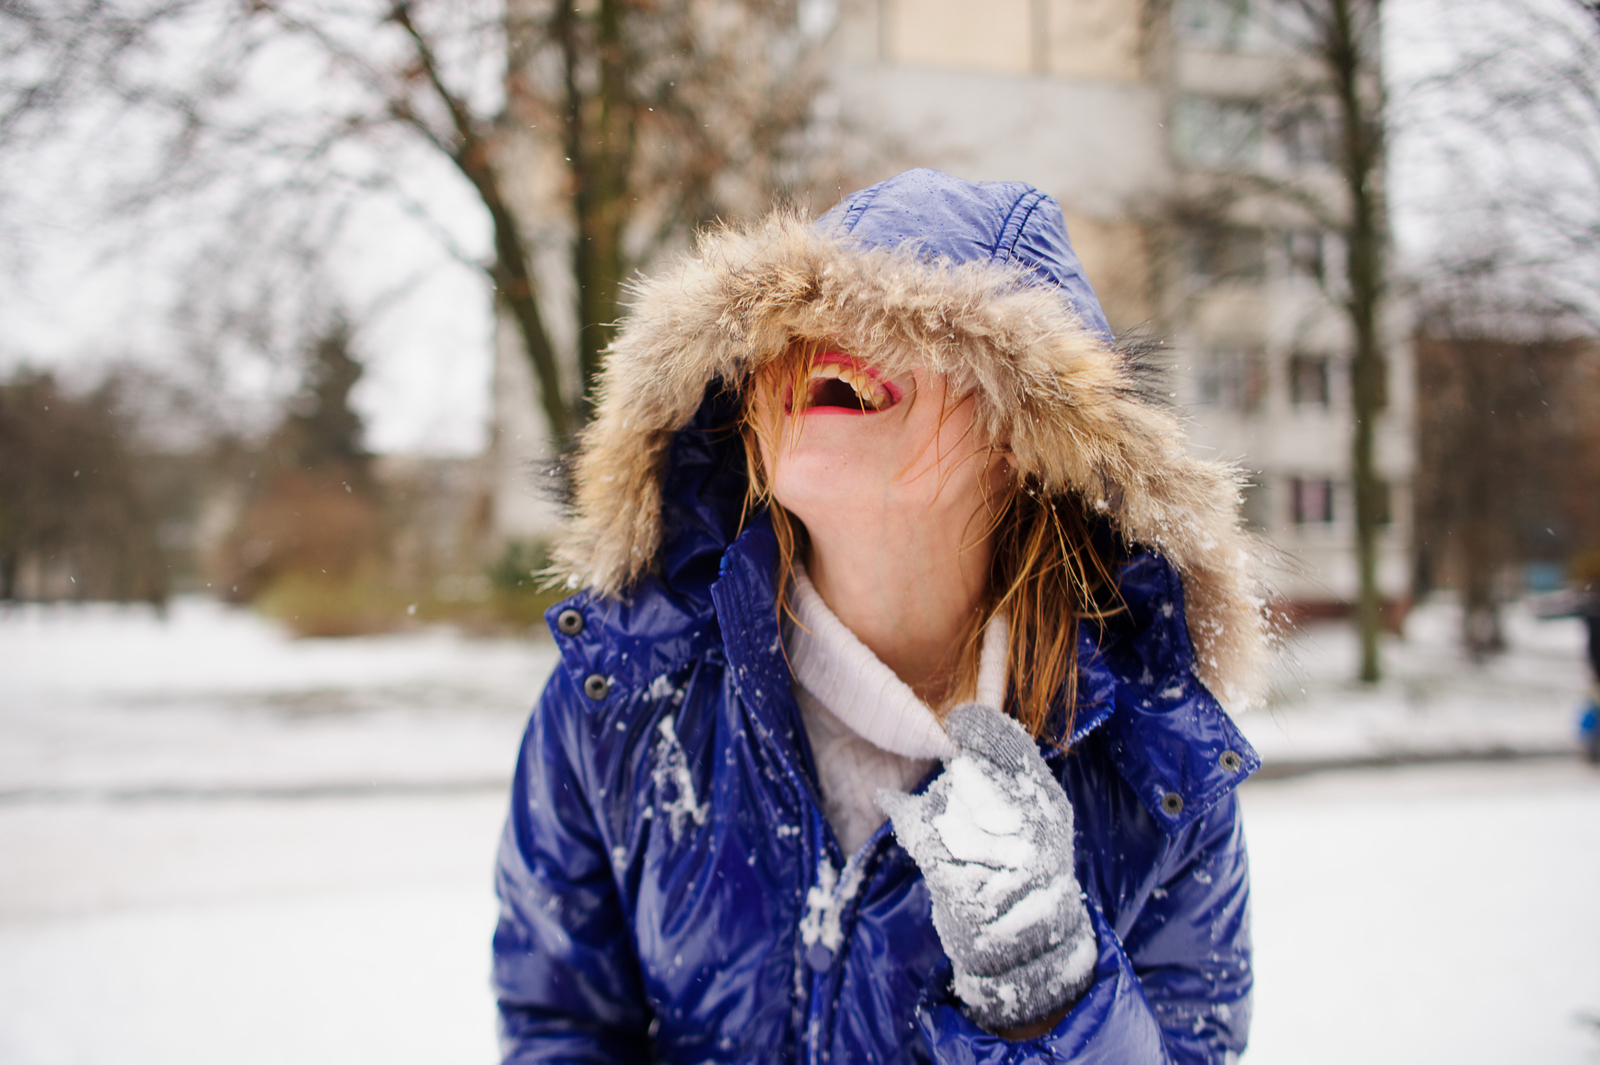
[[978, 282]]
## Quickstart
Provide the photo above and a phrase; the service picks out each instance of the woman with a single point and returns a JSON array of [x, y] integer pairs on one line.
[[874, 519]]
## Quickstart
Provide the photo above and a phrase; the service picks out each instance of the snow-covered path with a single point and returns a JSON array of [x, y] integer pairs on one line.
[[343, 931], [1428, 914], [101, 700], [218, 843], [1404, 916]]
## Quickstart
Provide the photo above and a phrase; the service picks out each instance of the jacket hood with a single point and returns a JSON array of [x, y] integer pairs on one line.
[[977, 282]]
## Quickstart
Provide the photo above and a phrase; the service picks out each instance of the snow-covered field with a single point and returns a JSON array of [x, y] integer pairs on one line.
[[110, 701], [217, 843], [1432, 701], [1427, 914]]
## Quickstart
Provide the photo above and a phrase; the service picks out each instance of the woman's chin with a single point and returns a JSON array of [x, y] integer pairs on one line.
[[849, 504]]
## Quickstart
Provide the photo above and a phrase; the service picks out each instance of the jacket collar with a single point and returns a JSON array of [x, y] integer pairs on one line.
[[1165, 732], [744, 595]]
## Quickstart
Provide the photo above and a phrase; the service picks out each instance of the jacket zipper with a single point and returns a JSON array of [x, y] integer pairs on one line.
[[825, 984]]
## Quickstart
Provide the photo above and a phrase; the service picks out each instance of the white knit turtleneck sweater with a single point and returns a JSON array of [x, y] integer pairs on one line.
[[868, 730]]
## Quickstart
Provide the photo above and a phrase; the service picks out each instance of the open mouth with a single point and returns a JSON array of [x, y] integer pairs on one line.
[[838, 382]]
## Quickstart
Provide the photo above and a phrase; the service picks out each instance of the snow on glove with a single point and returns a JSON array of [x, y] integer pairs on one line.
[[993, 837]]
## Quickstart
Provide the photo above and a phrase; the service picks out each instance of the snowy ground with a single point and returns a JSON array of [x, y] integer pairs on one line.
[[111, 701], [1432, 702], [1427, 914], [219, 842]]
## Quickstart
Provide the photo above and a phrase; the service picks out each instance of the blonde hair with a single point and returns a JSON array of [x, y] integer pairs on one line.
[[1045, 572]]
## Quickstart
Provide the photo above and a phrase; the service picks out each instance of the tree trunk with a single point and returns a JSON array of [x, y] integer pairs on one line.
[[514, 290], [1361, 158], [599, 143], [511, 270]]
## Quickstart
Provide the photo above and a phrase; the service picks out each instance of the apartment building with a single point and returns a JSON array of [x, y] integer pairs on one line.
[[1178, 138], [1184, 143]]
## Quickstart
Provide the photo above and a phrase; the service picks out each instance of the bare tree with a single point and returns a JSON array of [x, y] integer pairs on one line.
[[1328, 104], [1515, 120], [670, 114], [1501, 448], [77, 514], [1343, 36], [281, 117], [1508, 128]]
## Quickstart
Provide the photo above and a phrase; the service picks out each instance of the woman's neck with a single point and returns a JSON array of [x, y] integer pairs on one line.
[[909, 588]]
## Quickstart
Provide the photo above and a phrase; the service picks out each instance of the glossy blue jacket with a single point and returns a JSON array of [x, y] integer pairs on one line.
[[665, 829]]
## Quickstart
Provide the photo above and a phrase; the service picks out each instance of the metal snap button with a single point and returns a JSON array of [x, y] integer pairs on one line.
[[819, 957], [1230, 761], [1172, 804], [595, 686], [569, 622]]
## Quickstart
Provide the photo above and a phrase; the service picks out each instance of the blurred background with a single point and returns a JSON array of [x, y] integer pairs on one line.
[[300, 299]]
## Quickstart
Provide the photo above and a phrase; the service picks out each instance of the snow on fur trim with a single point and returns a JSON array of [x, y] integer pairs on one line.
[[1067, 401]]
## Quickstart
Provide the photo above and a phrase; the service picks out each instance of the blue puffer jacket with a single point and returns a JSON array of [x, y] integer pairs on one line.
[[666, 840]]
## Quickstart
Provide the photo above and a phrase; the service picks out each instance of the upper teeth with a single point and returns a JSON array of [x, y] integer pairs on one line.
[[872, 394]]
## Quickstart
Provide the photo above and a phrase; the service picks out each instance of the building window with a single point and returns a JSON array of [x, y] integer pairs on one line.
[[1217, 132], [1255, 507], [1220, 24], [1304, 138], [1234, 380], [1311, 500], [1308, 381], [1306, 253], [1227, 253]]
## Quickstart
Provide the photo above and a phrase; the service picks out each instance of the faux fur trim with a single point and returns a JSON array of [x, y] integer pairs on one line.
[[1067, 401]]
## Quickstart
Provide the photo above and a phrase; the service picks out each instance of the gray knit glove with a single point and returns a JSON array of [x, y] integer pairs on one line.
[[993, 836]]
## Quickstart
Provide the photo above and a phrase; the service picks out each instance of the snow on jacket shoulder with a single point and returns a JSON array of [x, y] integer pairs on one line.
[[670, 888]]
